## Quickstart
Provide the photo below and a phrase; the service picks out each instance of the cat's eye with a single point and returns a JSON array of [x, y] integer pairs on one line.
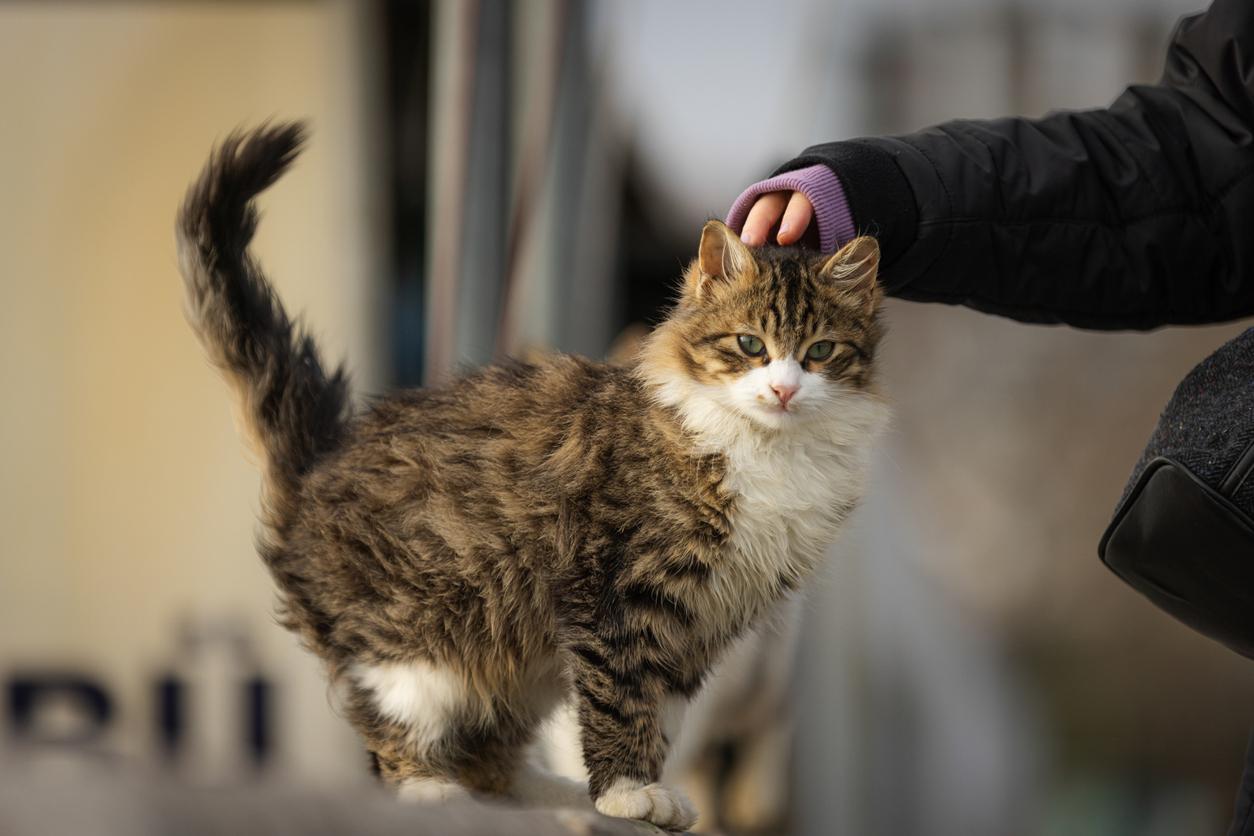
[[750, 345], [821, 350]]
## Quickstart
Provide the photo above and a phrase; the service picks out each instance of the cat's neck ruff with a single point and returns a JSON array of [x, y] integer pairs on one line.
[[794, 487]]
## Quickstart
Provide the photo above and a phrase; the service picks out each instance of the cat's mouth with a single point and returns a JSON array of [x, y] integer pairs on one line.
[[777, 415], [776, 408]]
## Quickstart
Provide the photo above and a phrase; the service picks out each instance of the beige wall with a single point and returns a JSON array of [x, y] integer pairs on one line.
[[127, 502]]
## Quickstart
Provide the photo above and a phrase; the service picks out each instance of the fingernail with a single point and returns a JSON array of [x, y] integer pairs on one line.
[[784, 229], [746, 237]]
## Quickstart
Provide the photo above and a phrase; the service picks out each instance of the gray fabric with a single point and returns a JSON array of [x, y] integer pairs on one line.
[[1209, 421]]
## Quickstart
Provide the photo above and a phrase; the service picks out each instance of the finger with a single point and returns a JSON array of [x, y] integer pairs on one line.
[[762, 218], [797, 219]]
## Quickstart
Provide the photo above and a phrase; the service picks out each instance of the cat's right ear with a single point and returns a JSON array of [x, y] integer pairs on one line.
[[721, 257], [854, 271]]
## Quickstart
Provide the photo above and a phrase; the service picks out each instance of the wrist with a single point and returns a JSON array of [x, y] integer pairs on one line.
[[832, 214]]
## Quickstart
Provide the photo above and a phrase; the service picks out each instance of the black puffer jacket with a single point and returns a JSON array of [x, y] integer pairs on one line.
[[1138, 215]]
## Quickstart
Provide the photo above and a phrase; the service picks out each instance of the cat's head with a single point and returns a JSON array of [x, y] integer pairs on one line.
[[779, 336]]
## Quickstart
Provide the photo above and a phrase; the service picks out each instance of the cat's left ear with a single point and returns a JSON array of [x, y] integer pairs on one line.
[[721, 257], [854, 270]]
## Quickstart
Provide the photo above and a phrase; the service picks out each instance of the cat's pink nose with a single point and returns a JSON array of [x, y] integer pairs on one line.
[[784, 392]]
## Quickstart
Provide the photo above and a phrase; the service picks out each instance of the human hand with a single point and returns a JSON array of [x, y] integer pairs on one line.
[[790, 210]]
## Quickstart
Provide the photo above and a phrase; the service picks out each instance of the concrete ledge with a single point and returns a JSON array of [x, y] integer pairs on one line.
[[44, 799]]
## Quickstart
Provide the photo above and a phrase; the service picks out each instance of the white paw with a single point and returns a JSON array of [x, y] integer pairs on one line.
[[630, 799]]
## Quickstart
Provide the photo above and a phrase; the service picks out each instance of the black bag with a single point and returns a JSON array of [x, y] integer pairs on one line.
[[1183, 533]]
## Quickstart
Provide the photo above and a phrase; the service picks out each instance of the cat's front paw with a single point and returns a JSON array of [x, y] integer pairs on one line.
[[627, 798]]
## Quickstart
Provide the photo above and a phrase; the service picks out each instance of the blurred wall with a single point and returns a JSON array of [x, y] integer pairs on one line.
[[127, 502]]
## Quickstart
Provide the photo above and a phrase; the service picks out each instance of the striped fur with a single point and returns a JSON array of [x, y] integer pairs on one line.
[[462, 558]]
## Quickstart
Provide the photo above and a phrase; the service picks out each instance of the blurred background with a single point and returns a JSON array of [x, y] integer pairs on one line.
[[490, 177]]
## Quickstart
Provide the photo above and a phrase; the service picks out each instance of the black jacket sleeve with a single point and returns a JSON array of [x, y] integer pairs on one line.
[[1138, 215]]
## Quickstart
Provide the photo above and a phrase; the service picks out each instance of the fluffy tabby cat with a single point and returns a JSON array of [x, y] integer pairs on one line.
[[462, 557]]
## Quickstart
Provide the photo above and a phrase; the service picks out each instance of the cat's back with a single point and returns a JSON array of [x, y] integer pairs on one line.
[[515, 399], [479, 440], [446, 499]]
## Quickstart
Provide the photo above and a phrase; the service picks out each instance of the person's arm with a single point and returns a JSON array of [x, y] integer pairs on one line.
[[1138, 215]]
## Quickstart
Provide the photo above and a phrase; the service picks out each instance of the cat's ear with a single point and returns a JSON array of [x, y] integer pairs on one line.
[[854, 269], [721, 256]]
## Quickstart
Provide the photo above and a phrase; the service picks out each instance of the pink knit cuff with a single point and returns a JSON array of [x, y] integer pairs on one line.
[[822, 187]]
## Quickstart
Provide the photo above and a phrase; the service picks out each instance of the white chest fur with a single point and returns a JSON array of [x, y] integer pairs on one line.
[[793, 484], [791, 497], [793, 492]]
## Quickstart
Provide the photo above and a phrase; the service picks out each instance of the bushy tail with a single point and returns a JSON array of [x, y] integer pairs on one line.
[[291, 408]]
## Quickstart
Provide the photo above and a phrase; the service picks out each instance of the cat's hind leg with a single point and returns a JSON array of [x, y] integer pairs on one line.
[[435, 737]]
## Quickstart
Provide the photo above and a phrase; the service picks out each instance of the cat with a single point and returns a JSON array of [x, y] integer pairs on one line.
[[463, 557]]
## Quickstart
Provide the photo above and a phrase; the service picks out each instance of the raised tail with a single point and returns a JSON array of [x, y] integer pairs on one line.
[[293, 411]]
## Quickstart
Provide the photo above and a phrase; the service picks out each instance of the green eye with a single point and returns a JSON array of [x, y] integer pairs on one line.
[[751, 345], [821, 350]]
